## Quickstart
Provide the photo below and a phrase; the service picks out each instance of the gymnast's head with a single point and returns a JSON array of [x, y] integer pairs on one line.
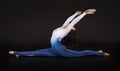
[[70, 39]]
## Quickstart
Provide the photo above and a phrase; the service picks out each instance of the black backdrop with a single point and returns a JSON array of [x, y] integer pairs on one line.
[[29, 24]]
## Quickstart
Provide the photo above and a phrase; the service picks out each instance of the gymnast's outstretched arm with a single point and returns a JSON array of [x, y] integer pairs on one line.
[[67, 22], [77, 19]]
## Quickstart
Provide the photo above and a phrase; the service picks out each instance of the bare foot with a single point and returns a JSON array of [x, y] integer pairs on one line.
[[17, 56], [11, 52], [100, 51], [107, 54]]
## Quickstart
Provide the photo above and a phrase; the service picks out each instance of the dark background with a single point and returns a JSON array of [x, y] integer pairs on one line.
[[27, 25]]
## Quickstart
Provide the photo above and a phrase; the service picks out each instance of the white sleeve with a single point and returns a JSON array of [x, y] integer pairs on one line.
[[75, 21], [70, 19]]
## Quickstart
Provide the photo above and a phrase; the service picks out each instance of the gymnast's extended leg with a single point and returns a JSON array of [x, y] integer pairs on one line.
[[42, 52], [60, 50], [71, 53]]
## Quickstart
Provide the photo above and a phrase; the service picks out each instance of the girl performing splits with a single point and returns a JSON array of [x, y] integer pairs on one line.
[[57, 48]]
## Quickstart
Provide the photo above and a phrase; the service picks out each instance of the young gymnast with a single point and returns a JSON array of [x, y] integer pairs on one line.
[[57, 48]]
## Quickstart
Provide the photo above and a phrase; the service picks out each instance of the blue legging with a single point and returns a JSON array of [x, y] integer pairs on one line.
[[58, 49]]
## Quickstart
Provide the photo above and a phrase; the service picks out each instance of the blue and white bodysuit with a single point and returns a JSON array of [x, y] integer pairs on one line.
[[57, 49]]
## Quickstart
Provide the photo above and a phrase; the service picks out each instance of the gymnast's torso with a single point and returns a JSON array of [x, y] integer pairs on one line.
[[58, 33]]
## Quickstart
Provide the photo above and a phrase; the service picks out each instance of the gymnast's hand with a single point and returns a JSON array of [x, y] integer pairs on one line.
[[78, 12], [90, 11]]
